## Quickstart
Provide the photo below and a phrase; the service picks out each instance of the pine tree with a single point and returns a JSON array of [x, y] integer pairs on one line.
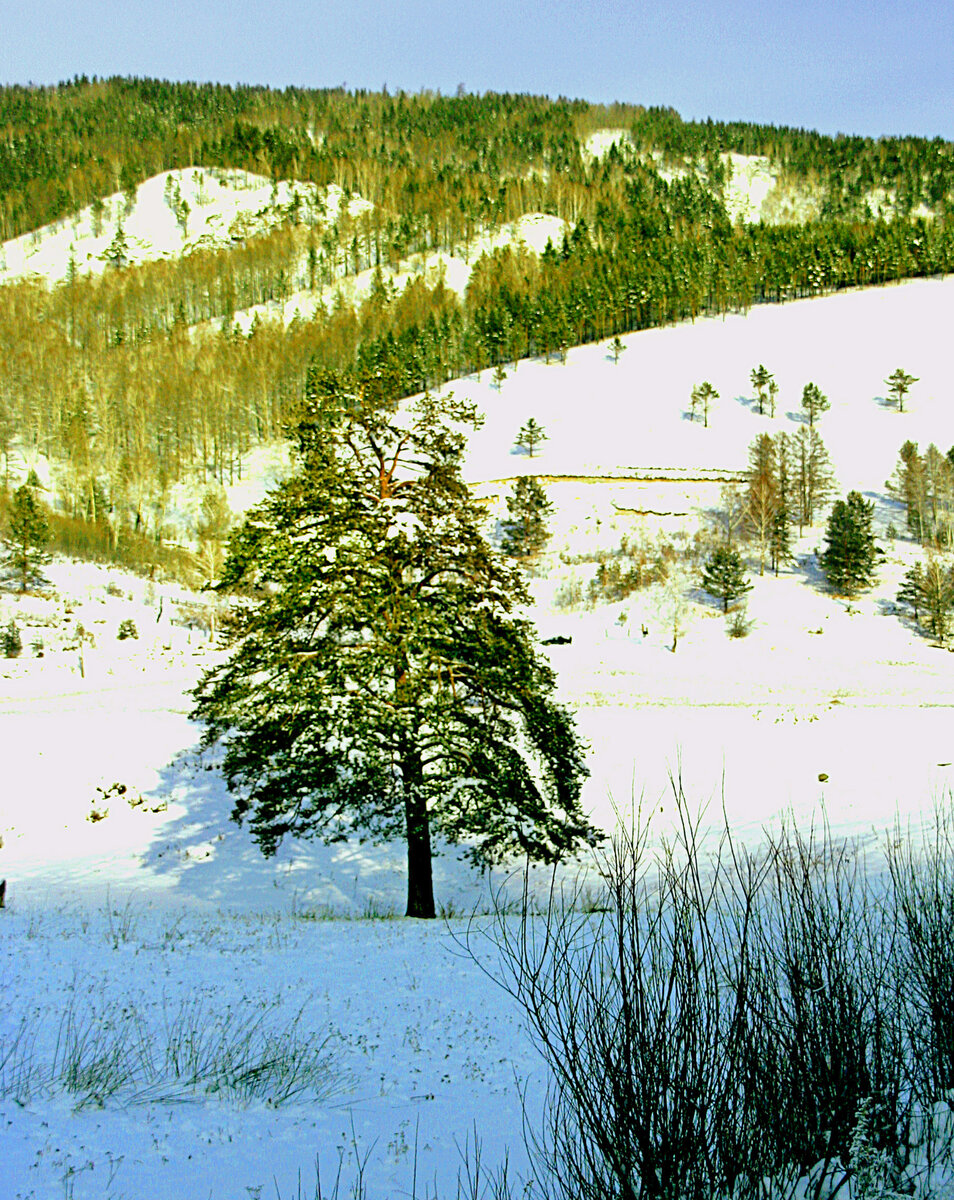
[[380, 681], [525, 532], [702, 396], [530, 436], [814, 402], [911, 590], [28, 531], [617, 347], [723, 576], [780, 543], [761, 379], [848, 559], [117, 253], [899, 384], [929, 589]]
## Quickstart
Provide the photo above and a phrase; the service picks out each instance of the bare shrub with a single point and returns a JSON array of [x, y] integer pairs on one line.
[[741, 1024]]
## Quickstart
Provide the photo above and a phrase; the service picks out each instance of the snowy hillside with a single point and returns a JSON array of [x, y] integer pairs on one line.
[[131, 897]]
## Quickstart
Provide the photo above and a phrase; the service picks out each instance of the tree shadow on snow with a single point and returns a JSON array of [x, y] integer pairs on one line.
[[212, 860]]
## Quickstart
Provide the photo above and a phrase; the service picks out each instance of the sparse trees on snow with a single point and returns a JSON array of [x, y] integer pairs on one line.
[[929, 589], [379, 681], [925, 484]]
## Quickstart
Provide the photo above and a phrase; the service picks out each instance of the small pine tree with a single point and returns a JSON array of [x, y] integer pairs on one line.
[[10, 641], [525, 532], [911, 590], [28, 531], [814, 402], [702, 396], [761, 379], [616, 348], [118, 252], [500, 376], [848, 559], [723, 576], [530, 436], [899, 384]]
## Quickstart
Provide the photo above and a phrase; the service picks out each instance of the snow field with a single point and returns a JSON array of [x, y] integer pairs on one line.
[[826, 710]]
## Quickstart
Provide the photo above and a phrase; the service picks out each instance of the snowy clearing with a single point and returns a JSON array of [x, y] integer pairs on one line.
[[160, 903]]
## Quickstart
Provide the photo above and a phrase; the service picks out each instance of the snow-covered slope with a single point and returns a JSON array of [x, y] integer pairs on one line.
[[825, 708]]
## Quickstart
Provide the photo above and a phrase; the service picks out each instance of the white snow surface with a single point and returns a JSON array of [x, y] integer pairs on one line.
[[163, 902]]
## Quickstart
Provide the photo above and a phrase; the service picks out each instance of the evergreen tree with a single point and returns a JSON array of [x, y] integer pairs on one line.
[[530, 436], [28, 531], [380, 682], [780, 544], [702, 396], [848, 559], [617, 347], [525, 531], [11, 642], [929, 589], [761, 379], [899, 384], [814, 402], [117, 253], [911, 590], [723, 576]]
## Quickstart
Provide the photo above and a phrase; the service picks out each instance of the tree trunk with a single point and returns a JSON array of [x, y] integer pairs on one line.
[[420, 880]]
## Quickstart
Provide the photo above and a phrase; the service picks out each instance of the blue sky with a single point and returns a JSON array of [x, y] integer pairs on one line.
[[872, 67]]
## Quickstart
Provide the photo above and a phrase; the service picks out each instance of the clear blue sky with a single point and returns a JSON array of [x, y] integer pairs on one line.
[[857, 66]]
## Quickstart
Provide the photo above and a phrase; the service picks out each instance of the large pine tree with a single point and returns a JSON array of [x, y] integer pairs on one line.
[[379, 681], [848, 559]]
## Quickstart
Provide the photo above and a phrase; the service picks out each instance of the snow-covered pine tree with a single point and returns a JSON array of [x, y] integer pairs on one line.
[[379, 681], [723, 576], [848, 559], [525, 531]]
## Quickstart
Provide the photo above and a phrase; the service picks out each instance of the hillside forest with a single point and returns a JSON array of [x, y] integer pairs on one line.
[[140, 377]]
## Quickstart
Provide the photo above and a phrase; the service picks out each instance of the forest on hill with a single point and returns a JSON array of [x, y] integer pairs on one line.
[[138, 378]]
